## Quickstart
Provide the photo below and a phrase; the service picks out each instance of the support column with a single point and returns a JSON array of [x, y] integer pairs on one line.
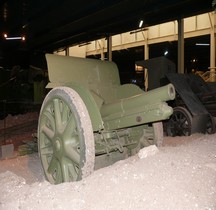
[[181, 46], [109, 48], [212, 50], [67, 51], [146, 47], [101, 45], [146, 57], [102, 55]]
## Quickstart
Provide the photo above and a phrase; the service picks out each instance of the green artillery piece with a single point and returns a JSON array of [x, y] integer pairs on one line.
[[88, 120]]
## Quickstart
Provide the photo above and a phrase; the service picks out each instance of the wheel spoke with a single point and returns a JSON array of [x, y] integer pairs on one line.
[[172, 123], [58, 119], [72, 153], [177, 117], [65, 112], [47, 150], [69, 128], [73, 170], [58, 176], [50, 118], [69, 171], [184, 126], [48, 132], [53, 165], [183, 120], [65, 170]]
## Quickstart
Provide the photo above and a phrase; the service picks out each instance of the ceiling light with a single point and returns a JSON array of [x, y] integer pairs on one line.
[[140, 23], [166, 52], [202, 44], [15, 38], [194, 60], [24, 26]]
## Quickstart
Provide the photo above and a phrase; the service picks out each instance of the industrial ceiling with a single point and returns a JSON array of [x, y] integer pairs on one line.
[[51, 24]]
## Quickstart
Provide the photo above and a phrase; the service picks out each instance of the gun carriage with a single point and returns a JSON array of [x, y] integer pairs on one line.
[[194, 108], [89, 120]]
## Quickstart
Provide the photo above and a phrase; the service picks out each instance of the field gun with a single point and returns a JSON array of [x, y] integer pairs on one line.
[[89, 120]]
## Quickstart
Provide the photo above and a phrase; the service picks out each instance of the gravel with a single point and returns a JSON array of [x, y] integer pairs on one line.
[[181, 175]]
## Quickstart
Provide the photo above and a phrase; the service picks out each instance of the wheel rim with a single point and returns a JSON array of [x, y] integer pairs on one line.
[[158, 133], [61, 141], [210, 127], [180, 123]]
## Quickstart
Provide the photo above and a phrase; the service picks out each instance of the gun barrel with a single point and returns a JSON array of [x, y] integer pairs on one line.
[[139, 102], [143, 108], [165, 93]]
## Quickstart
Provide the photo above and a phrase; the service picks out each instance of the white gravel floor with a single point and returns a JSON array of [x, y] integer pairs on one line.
[[182, 175]]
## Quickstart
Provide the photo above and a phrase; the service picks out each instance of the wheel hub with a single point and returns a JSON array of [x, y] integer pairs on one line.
[[57, 145]]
